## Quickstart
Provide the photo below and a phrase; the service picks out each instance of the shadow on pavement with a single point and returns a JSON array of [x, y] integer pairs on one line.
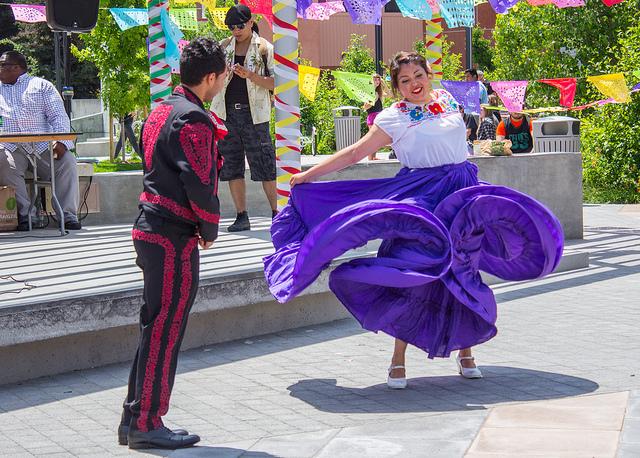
[[208, 452], [442, 393]]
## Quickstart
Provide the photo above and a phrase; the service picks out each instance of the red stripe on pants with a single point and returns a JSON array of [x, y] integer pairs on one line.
[[158, 324]]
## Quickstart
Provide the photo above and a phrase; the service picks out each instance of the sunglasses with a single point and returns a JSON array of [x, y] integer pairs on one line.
[[238, 26]]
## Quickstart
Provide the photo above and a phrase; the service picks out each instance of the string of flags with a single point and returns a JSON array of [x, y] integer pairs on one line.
[[359, 87], [456, 13]]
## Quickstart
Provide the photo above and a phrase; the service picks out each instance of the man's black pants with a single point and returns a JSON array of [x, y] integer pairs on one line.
[[167, 253]]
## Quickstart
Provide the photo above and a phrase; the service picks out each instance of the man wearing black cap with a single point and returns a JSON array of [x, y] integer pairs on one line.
[[245, 106]]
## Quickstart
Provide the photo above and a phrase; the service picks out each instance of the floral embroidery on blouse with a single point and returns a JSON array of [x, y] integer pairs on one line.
[[443, 105]]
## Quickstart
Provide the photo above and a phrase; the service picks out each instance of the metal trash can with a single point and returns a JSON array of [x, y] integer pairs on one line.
[[556, 134], [347, 122]]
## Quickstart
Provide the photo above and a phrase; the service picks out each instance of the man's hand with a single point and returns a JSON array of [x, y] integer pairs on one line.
[[205, 244], [241, 71], [58, 150]]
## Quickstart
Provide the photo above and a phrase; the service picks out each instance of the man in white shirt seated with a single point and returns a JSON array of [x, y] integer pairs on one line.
[[32, 104]]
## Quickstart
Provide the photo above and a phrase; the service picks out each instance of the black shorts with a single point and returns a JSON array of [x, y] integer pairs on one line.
[[252, 140]]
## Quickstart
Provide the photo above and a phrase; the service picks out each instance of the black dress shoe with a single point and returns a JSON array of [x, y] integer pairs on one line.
[[241, 223], [162, 438], [72, 225], [23, 226], [123, 432]]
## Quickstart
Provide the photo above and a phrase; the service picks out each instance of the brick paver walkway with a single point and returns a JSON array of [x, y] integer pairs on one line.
[[320, 391]]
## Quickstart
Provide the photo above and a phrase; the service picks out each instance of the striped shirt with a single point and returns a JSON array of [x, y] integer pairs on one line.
[[33, 105]]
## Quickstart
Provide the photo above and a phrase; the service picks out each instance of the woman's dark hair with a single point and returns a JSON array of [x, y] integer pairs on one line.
[[404, 58], [255, 27], [199, 58]]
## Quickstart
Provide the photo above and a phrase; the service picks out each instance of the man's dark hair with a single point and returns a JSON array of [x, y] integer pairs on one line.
[[199, 58], [472, 71], [14, 57]]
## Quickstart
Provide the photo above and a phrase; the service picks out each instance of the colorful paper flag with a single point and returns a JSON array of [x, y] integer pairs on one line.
[[511, 93], [357, 86], [613, 85], [417, 9], [567, 87], [29, 13], [457, 13], [323, 11], [612, 2], [308, 81], [185, 18], [130, 17], [568, 3], [502, 6], [365, 11], [218, 16], [173, 35], [262, 7], [466, 93]]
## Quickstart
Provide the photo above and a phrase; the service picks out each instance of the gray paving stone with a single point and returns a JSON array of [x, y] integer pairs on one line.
[[567, 335]]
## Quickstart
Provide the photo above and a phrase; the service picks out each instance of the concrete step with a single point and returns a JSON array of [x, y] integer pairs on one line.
[[95, 147], [80, 296]]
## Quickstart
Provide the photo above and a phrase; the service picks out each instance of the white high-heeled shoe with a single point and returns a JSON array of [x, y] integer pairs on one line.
[[398, 383], [467, 372]]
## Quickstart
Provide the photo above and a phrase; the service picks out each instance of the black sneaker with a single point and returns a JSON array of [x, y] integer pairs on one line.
[[241, 223], [72, 225]]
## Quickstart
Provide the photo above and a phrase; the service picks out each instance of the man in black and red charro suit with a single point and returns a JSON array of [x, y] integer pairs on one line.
[[179, 210]]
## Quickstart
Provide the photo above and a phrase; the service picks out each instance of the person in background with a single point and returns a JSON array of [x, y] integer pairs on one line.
[[486, 83], [471, 74], [494, 101], [518, 129], [32, 104], [374, 108], [488, 125], [130, 135], [472, 127], [245, 106]]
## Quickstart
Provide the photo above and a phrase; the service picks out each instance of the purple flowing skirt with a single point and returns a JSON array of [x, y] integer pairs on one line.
[[439, 227]]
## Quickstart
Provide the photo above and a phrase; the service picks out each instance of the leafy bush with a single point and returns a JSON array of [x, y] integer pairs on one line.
[[548, 42]]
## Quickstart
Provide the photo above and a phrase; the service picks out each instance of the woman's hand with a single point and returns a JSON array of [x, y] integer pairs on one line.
[[299, 178]]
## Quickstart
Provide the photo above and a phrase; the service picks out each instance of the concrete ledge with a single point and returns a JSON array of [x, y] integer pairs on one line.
[[555, 179], [53, 337]]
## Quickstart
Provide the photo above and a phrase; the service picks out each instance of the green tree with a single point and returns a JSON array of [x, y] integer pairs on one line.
[[611, 137], [549, 42], [482, 49], [121, 59], [35, 41]]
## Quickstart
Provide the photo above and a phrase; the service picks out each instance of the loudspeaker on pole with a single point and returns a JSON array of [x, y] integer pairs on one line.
[[72, 15]]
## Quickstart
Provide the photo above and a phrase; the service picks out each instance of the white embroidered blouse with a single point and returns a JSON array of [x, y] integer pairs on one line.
[[426, 136]]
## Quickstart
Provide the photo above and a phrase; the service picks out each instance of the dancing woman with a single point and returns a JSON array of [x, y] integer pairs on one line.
[[439, 227]]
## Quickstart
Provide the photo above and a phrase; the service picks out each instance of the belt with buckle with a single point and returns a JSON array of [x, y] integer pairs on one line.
[[238, 106]]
